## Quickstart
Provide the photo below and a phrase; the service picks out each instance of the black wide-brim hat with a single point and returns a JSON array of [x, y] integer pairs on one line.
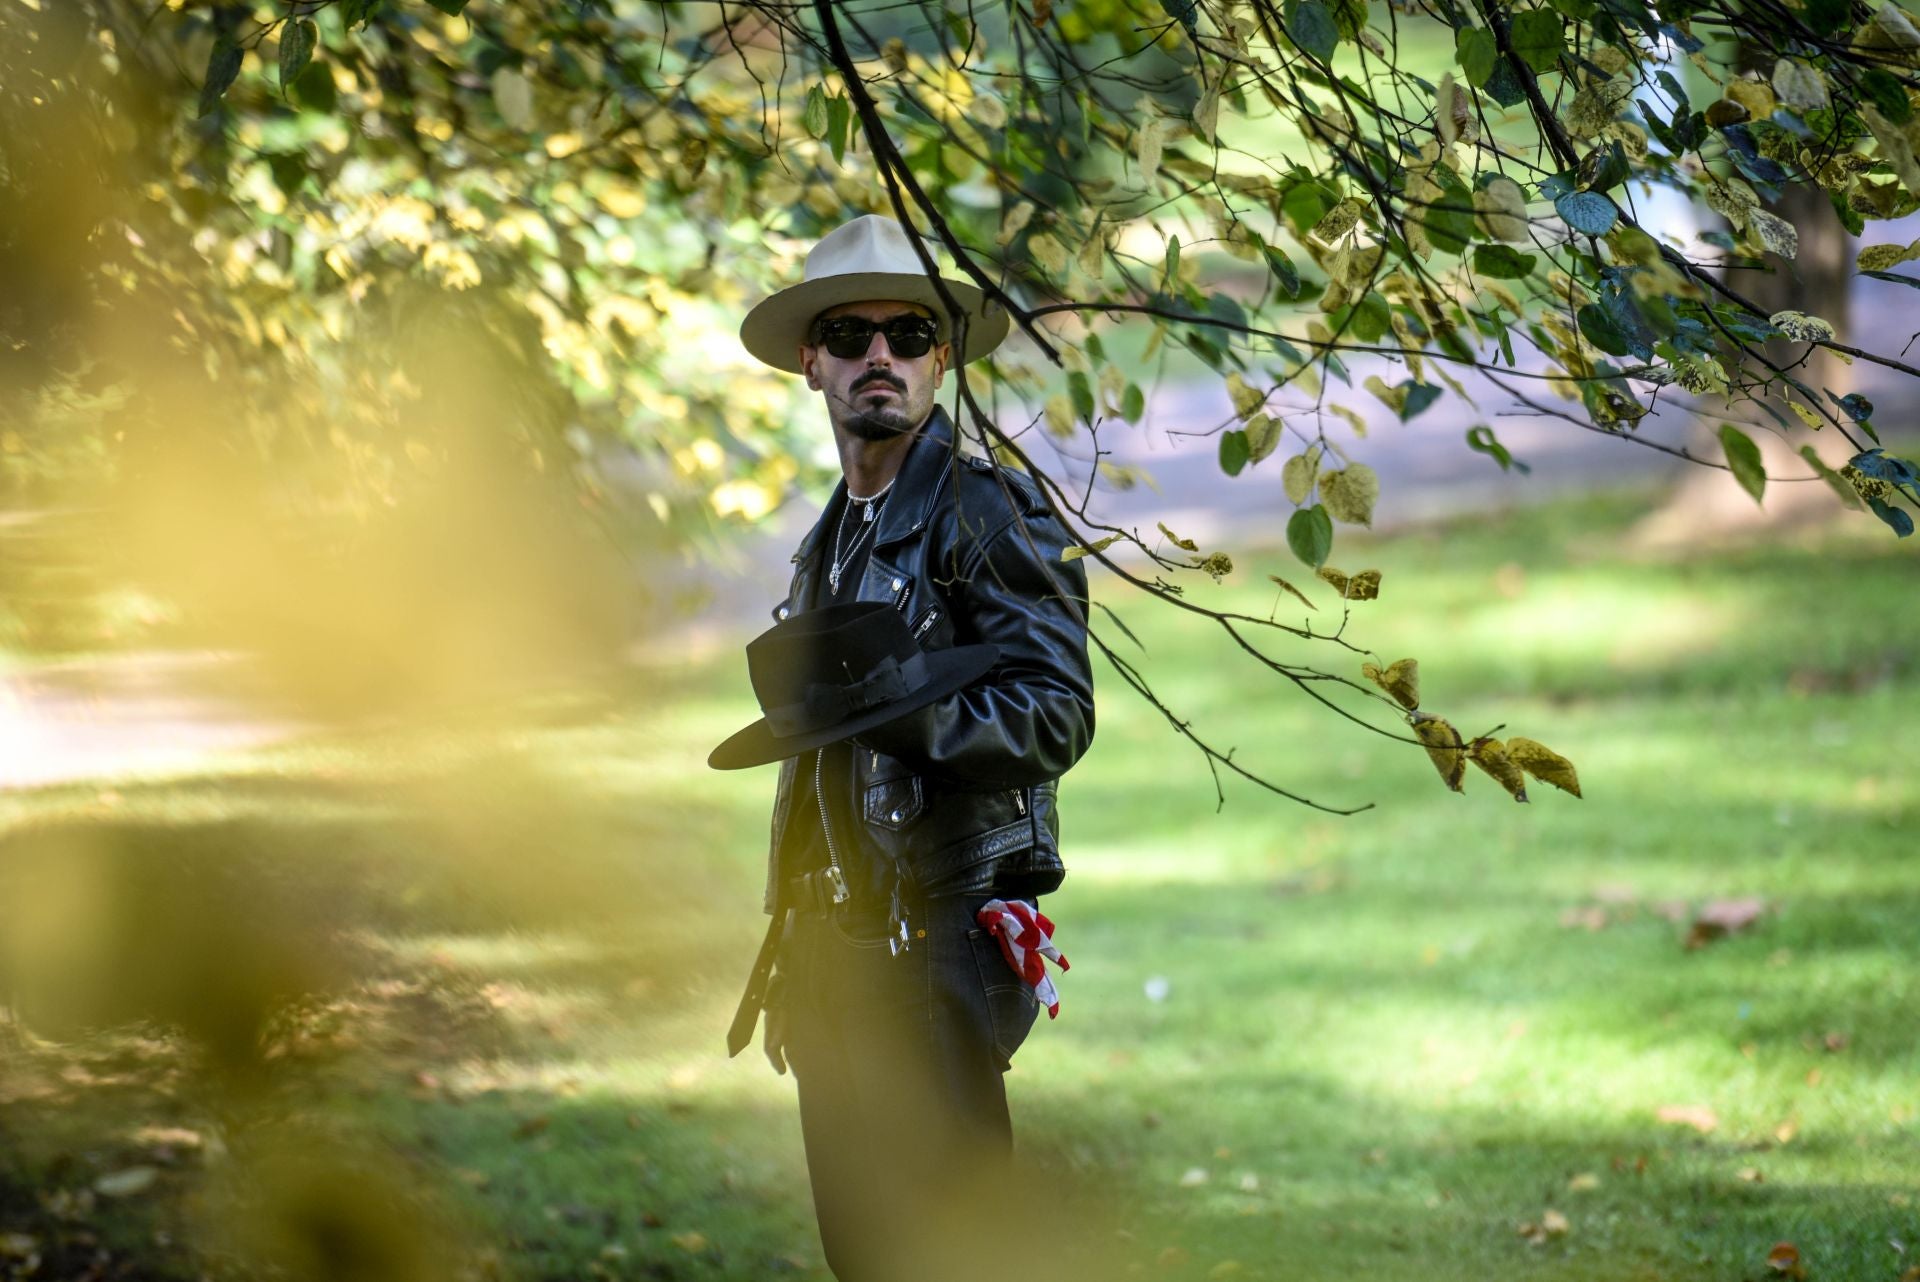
[[826, 675]]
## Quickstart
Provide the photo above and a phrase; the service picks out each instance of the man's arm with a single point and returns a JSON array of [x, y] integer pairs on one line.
[[1031, 716]]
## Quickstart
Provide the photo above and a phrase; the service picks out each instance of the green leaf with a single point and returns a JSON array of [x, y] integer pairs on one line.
[[314, 88], [1235, 449], [1884, 91], [1310, 535], [223, 68], [297, 39], [451, 8], [814, 118], [1283, 271], [1173, 264], [1743, 456], [1502, 262], [1312, 28], [1305, 204], [1081, 390], [839, 125], [1133, 403], [1538, 37], [1602, 330], [1482, 440], [1478, 52], [1587, 211], [1827, 17]]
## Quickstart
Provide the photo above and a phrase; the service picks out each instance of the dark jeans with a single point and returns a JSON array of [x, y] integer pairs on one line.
[[899, 1063]]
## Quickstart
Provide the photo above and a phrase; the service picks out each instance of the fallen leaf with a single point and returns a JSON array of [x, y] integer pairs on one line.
[[1194, 1177], [126, 1183], [1553, 1223], [1698, 1116], [690, 1241], [1227, 1269], [1750, 1175], [1835, 1042], [1718, 918], [1785, 1132], [1585, 1182], [1785, 1259]]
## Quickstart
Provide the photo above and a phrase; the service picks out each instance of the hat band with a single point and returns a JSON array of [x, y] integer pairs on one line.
[[825, 705]]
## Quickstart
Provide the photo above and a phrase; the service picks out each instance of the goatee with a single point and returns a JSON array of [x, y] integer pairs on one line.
[[878, 424]]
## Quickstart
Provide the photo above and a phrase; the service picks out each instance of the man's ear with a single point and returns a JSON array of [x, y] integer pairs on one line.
[[942, 357], [806, 366]]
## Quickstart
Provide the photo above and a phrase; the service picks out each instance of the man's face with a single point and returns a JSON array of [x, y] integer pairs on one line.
[[878, 393]]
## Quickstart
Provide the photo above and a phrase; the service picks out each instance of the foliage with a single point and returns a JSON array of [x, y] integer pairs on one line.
[[1431, 199]]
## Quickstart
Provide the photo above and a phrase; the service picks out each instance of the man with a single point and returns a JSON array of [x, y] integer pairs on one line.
[[895, 1006]]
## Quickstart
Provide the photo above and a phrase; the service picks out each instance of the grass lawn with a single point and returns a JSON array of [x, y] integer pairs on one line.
[[1447, 1038]]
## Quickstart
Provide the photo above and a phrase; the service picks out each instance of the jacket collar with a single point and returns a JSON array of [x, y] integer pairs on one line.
[[923, 473]]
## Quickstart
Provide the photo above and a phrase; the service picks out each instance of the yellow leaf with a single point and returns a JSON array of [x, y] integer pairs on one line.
[[1297, 475], [1501, 209], [1296, 591], [1807, 415], [1554, 1223], [1775, 233], [1358, 424], [1060, 414], [1148, 142], [1217, 564], [1801, 327], [1339, 220], [1755, 95], [1206, 112], [690, 1241], [1350, 493], [1246, 400], [1263, 434], [1880, 258], [1401, 679], [1444, 749], [1047, 252], [988, 111], [1098, 545], [1491, 756], [1185, 545], [1364, 586], [1544, 764], [1015, 222]]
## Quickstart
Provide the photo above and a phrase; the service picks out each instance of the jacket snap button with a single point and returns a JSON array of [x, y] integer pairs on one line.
[[898, 584], [783, 611], [896, 816]]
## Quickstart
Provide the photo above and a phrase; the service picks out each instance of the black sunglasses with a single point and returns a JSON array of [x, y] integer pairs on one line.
[[848, 337]]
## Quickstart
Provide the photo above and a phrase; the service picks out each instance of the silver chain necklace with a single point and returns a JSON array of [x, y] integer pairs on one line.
[[871, 507]]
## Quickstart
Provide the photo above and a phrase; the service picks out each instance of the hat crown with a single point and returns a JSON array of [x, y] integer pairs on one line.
[[870, 243], [838, 645]]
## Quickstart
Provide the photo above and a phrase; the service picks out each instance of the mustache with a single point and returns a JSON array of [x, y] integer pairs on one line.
[[878, 376]]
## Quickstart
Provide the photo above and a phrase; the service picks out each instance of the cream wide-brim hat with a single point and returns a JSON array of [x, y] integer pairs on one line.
[[867, 260]]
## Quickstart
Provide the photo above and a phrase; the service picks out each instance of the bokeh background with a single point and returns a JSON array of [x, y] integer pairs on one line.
[[367, 909]]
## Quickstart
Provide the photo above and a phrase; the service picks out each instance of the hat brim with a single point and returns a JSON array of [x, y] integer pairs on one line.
[[949, 670], [774, 330]]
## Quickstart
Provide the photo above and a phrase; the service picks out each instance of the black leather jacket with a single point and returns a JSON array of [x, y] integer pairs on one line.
[[960, 796]]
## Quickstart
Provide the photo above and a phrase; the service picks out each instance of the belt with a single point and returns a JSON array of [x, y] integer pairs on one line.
[[819, 891]]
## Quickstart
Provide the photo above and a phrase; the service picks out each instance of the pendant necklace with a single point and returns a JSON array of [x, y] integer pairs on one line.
[[870, 507]]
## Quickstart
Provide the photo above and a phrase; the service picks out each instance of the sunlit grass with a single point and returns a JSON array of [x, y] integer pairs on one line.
[[1382, 1043]]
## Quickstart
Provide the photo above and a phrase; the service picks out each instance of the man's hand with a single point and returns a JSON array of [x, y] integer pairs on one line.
[[776, 1039], [775, 1018]]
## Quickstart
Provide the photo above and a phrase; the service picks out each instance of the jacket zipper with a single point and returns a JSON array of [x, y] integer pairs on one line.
[[835, 877], [1020, 800]]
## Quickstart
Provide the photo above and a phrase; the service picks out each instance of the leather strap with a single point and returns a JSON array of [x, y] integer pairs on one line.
[[755, 997]]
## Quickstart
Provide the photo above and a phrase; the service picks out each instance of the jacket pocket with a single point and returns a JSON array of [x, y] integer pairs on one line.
[[894, 803]]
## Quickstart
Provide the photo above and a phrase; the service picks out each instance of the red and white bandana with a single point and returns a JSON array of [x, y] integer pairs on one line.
[[1026, 940]]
